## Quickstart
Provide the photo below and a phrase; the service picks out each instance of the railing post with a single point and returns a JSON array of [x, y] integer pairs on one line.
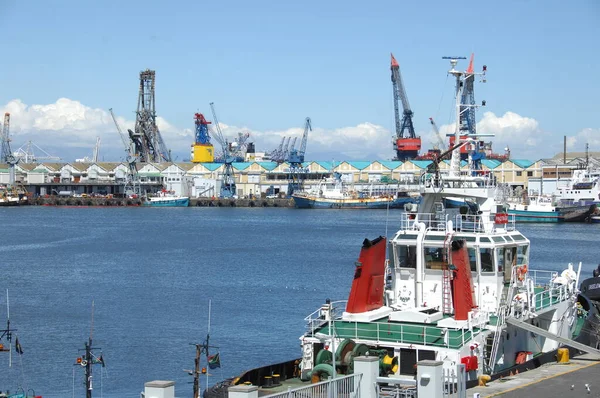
[[369, 368], [430, 379]]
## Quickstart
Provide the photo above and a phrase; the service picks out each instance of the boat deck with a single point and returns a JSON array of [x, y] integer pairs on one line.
[[402, 333]]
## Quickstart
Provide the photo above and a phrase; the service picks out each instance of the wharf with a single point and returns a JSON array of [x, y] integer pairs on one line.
[[549, 380], [118, 202]]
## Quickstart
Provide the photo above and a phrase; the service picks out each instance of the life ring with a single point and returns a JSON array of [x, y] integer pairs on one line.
[[521, 271]]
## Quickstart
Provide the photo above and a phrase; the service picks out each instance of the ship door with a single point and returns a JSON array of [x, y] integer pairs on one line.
[[511, 261]]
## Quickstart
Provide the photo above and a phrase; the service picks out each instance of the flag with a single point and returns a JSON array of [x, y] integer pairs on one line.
[[214, 361], [99, 360], [18, 347]]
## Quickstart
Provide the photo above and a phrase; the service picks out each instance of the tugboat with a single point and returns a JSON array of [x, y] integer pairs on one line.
[[457, 287], [451, 285]]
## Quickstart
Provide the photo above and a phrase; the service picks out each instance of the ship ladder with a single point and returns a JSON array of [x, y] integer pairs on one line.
[[446, 273], [500, 322]]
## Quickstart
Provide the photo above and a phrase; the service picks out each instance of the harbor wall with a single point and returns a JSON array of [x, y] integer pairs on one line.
[[194, 202]]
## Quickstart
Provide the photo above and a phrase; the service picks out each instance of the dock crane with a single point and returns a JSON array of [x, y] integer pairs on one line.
[[132, 184], [202, 149], [231, 151], [406, 143], [440, 143], [295, 160], [7, 155], [26, 154], [277, 154]]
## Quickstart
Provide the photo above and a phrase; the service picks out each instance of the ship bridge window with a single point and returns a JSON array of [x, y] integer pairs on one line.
[[484, 239], [522, 255], [518, 237], [405, 256], [500, 257], [486, 260], [473, 258], [434, 258], [498, 239]]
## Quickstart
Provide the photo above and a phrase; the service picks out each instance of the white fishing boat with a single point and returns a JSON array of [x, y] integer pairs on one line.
[[582, 188], [333, 193], [11, 196], [167, 199]]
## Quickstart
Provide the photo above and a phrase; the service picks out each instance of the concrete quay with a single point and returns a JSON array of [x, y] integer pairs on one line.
[[578, 378], [194, 202]]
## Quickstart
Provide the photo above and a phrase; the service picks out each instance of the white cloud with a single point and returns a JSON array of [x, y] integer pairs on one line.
[[586, 136], [68, 128]]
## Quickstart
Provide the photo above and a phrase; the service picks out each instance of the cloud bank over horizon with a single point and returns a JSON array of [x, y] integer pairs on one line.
[[68, 129]]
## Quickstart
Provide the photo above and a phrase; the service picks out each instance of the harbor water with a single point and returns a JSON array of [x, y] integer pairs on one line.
[[152, 271]]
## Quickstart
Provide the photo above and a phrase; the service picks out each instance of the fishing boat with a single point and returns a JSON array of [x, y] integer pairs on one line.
[[541, 208], [333, 193], [582, 188], [451, 285], [167, 199], [10, 196]]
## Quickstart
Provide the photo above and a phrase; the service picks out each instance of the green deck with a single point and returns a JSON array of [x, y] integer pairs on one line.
[[401, 332]]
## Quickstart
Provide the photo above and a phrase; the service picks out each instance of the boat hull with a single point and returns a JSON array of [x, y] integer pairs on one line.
[[595, 219], [308, 202], [536, 216], [167, 202]]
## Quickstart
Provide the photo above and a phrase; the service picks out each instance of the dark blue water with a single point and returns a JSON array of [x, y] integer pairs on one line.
[[151, 273]]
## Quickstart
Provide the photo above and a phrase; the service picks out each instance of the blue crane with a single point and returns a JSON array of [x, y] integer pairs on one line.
[[406, 144], [231, 152], [202, 135], [295, 160]]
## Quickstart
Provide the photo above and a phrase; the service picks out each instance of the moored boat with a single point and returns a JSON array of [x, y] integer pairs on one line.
[[167, 199], [332, 193]]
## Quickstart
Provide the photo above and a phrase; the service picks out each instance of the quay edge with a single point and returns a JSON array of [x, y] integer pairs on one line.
[[194, 202]]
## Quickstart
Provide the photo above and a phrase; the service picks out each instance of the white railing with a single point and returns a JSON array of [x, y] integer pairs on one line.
[[455, 382], [397, 391], [550, 296], [414, 334], [321, 316], [462, 222], [340, 387], [432, 221], [541, 278]]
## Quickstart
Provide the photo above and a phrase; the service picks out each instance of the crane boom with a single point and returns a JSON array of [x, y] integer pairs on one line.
[[438, 135], [307, 128], [406, 143], [124, 138]]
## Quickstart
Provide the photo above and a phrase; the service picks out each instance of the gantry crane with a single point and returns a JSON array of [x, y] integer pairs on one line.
[[149, 144], [202, 149], [7, 156], [132, 184], [25, 154], [406, 144], [295, 159], [231, 151]]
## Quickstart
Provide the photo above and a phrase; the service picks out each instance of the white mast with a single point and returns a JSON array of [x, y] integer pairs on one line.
[[455, 161]]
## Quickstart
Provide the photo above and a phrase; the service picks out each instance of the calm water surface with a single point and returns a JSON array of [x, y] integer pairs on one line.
[[151, 273]]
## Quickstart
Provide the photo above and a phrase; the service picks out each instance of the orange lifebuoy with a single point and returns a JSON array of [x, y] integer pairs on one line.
[[521, 271]]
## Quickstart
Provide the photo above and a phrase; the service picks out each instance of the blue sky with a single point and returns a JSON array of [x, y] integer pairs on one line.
[[268, 65]]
